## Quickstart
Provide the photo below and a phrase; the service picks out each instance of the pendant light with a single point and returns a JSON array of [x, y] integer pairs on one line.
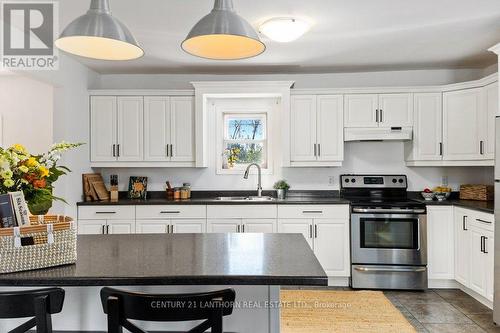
[[223, 35], [98, 35]]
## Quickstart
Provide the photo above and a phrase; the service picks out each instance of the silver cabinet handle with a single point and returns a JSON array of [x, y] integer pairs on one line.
[[312, 212], [243, 227], [315, 150], [310, 231], [103, 229], [170, 212], [319, 149], [171, 150], [107, 229], [376, 115], [167, 228], [105, 212], [484, 221], [166, 149], [390, 269], [114, 150], [172, 229], [381, 115], [481, 147], [238, 228], [118, 150], [441, 149], [484, 244], [464, 221], [315, 231]]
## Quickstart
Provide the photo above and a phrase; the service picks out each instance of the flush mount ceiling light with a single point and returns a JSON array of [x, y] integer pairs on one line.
[[98, 35], [223, 35], [284, 29]]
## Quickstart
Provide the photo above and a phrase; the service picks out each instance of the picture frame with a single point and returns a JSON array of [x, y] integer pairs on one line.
[[137, 188]]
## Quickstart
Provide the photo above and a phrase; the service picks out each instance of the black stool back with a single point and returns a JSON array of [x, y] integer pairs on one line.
[[40, 304], [210, 307]]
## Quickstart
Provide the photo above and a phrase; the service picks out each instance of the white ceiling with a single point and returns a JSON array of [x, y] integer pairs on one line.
[[354, 35]]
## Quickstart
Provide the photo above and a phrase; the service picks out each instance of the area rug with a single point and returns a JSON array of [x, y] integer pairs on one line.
[[313, 311]]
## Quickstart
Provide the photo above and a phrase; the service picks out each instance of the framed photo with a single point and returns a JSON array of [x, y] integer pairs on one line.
[[137, 188]]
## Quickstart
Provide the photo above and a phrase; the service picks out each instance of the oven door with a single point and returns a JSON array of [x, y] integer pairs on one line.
[[389, 239]]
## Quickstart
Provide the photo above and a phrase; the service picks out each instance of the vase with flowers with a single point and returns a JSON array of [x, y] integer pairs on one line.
[[34, 175]]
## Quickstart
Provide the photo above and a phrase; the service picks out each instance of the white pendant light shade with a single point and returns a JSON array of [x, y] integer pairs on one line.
[[284, 29], [223, 35], [98, 35]]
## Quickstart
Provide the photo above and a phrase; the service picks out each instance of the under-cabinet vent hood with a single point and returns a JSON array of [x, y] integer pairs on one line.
[[378, 134]]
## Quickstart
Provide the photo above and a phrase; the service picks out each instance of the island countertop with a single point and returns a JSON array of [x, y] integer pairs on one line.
[[183, 259]]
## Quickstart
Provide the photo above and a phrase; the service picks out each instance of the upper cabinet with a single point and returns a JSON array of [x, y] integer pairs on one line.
[[490, 100], [316, 130], [378, 110], [145, 131]]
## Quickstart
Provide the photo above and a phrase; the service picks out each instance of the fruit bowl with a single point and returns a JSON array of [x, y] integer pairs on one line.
[[429, 196], [442, 196]]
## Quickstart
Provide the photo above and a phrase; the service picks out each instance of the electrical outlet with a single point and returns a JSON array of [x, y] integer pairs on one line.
[[331, 180]]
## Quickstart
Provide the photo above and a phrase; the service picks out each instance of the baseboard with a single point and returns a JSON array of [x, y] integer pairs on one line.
[[335, 281], [443, 284], [475, 295]]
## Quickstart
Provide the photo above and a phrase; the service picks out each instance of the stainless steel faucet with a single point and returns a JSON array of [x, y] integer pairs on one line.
[[259, 184]]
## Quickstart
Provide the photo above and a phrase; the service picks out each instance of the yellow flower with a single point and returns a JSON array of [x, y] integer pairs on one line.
[[8, 183], [44, 172], [19, 148], [32, 162], [6, 174], [23, 169]]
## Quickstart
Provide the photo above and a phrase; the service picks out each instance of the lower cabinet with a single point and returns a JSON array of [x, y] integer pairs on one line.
[[474, 241], [241, 225], [170, 226], [97, 227], [440, 242]]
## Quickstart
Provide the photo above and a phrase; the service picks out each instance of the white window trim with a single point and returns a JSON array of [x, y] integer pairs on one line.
[[220, 129]]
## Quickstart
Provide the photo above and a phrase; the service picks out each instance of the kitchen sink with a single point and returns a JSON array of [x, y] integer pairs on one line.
[[265, 198]]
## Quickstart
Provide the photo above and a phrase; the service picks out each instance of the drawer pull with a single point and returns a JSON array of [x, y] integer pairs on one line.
[[484, 221], [170, 212], [105, 212], [312, 212]]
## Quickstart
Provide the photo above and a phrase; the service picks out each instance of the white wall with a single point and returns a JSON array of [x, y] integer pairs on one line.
[[331, 80], [27, 109]]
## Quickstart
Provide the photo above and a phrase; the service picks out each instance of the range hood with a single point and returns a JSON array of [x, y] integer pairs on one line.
[[378, 134]]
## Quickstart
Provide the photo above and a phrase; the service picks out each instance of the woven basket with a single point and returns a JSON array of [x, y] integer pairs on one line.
[[476, 192], [49, 241]]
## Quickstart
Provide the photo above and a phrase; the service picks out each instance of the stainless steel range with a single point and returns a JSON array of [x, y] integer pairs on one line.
[[388, 233]]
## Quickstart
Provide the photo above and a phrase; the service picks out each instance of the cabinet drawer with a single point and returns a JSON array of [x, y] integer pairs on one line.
[[483, 220], [106, 212], [171, 211], [313, 211], [242, 211]]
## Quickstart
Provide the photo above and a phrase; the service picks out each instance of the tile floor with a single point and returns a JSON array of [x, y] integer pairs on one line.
[[441, 311]]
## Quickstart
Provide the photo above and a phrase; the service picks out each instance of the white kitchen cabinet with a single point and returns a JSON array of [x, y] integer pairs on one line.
[[463, 128], [259, 225], [188, 226], [170, 226], [223, 225], [490, 100], [152, 226], [395, 110], [297, 226], [103, 117], [478, 262], [462, 245], [91, 227], [120, 227], [378, 110], [157, 120], [490, 265], [361, 110], [326, 229], [316, 129], [427, 143], [440, 242], [130, 128], [182, 129]]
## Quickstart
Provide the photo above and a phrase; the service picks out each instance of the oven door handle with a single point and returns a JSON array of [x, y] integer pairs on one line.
[[392, 211], [391, 269]]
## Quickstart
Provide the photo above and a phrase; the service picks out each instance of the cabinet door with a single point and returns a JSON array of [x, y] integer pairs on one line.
[[490, 99], [224, 225], [462, 246], [182, 129], [331, 245], [461, 125], [490, 265], [396, 110], [103, 128], [259, 225], [427, 127], [121, 227], [330, 128], [297, 226], [360, 110], [440, 243], [478, 262], [151, 226], [303, 128], [130, 128], [91, 227], [194, 226], [156, 128]]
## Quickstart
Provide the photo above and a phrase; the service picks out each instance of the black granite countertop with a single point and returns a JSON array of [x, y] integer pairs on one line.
[[183, 259], [209, 198], [483, 206]]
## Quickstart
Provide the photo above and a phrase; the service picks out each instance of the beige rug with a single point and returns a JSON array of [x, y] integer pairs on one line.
[[314, 311]]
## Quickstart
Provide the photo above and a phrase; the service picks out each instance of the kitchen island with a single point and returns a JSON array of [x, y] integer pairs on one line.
[[255, 265]]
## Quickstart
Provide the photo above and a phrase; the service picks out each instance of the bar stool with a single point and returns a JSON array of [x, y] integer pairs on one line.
[[120, 306], [40, 304]]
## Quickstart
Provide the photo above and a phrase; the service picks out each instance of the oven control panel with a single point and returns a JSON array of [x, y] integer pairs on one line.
[[373, 181]]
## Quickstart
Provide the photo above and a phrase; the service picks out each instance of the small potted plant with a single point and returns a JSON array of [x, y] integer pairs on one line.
[[281, 188]]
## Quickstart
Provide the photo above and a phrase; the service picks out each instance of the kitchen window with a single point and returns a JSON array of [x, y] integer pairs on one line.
[[244, 141]]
